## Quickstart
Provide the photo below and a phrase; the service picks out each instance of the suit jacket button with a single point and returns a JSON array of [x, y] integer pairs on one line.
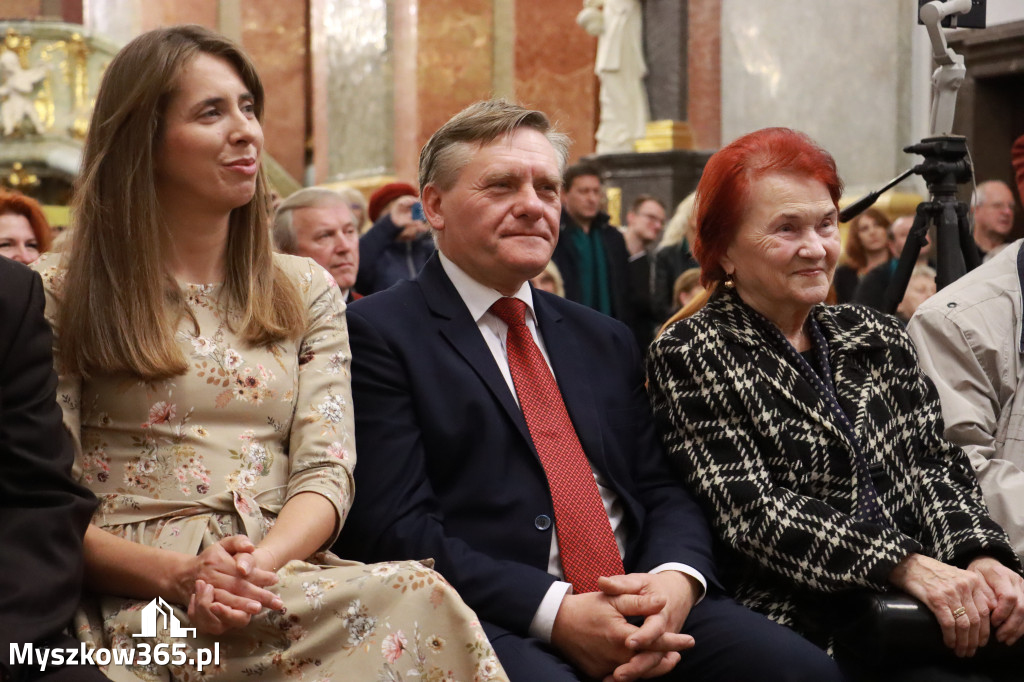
[[542, 522]]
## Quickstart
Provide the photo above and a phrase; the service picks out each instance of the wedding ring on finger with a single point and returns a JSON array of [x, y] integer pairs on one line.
[[960, 612]]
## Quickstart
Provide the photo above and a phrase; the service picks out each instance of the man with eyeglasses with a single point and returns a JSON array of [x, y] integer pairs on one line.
[[644, 222], [992, 208]]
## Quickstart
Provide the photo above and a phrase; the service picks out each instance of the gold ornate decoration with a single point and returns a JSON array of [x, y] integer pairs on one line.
[[19, 85], [19, 44], [76, 75], [19, 178], [662, 136], [614, 197]]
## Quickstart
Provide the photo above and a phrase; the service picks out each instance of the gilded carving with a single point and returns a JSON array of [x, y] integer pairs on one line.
[[49, 74], [613, 195], [76, 76], [19, 178], [18, 84]]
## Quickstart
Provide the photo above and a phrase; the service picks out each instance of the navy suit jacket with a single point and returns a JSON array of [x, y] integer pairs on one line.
[[447, 470], [43, 514]]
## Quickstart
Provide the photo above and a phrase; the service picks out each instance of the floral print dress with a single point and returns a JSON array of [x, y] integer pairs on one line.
[[182, 463]]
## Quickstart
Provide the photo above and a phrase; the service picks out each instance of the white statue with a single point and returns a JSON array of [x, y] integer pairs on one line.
[[16, 87], [620, 67]]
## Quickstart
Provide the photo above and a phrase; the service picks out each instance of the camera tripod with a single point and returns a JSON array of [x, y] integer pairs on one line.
[[945, 166]]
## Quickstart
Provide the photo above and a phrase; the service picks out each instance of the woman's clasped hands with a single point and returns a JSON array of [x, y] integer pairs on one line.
[[969, 605], [227, 585]]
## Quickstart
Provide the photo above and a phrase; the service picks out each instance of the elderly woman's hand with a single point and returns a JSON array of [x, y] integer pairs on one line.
[[945, 590], [1007, 605]]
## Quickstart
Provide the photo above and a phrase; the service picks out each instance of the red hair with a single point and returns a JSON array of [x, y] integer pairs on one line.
[[855, 254], [19, 204], [724, 187]]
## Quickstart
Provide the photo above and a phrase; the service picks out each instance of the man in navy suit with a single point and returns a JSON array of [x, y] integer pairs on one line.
[[448, 469]]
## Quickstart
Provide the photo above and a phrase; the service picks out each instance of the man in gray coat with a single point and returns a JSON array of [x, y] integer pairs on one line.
[[971, 345]]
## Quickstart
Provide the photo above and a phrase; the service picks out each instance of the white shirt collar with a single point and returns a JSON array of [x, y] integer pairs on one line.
[[478, 297]]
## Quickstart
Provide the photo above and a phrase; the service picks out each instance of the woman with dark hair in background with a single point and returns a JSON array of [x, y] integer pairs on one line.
[[807, 431], [867, 246], [206, 383]]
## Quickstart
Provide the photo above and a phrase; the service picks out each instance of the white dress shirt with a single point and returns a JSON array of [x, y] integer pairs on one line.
[[479, 299]]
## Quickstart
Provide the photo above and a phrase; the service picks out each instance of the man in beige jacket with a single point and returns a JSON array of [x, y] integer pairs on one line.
[[971, 345]]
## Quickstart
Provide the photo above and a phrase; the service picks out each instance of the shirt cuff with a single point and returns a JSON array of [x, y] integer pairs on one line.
[[544, 620], [682, 568]]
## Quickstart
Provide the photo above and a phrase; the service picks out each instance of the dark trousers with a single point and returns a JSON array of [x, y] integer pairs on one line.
[[733, 644]]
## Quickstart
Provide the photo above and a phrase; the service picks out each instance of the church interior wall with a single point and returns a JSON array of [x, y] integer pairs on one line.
[[834, 70], [355, 87]]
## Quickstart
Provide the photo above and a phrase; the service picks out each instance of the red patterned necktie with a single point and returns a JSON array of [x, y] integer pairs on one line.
[[585, 538]]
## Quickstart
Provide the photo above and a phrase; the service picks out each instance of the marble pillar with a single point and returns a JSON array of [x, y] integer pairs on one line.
[[20, 9], [116, 20], [665, 48], [554, 68], [838, 71], [353, 110], [157, 14], [454, 60], [704, 72], [274, 35]]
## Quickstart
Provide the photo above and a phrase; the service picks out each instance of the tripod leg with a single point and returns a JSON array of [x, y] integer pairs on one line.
[[949, 252], [971, 256], [908, 258]]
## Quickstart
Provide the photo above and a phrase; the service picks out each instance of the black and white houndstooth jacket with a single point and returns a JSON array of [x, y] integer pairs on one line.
[[762, 450]]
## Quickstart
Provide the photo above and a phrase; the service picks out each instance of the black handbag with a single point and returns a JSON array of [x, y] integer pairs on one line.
[[889, 632]]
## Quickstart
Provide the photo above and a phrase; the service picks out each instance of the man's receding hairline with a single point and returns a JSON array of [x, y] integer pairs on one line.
[[471, 147]]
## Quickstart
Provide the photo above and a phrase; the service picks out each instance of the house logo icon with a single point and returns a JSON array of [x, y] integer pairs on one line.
[[159, 609]]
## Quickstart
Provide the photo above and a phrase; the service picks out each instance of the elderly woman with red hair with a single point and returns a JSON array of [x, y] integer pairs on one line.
[[24, 232], [808, 433]]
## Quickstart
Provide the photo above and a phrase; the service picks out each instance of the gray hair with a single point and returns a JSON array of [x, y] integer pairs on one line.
[[354, 196], [283, 231], [978, 198], [448, 150]]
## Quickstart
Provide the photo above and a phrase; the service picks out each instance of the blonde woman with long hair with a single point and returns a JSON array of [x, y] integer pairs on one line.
[[205, 381]]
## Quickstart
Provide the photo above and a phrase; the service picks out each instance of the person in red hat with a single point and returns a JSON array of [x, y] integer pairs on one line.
[[398, 244]]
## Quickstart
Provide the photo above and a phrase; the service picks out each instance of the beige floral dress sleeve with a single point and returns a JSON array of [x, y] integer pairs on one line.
[[182, 463]]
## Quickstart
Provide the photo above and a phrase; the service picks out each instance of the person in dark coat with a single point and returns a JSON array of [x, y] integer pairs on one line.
[[673, 258], [43, 514], [807, 432], [873, 288], [398, 244], [644, 222], [460, 465], [591, 253]]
